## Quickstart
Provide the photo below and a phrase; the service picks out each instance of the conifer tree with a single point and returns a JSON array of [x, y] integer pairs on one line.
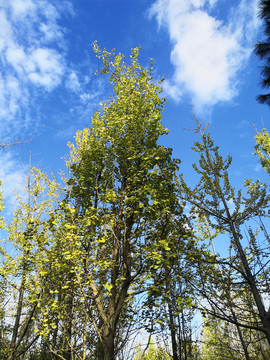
[[262, 50]]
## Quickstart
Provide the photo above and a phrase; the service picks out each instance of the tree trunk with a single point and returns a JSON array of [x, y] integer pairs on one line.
[[67, 353], [184, 334], [16, 326], [173, 337], [239, 331], [107, 346]]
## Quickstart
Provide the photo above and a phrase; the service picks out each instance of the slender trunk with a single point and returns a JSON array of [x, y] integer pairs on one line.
[[249, 277], [84, 341], [257, 335], [16, 326], [67, 353], [2, 331], [184, 335], [252, 284], [171, 324], [173, 336], [239, 331], [179, 338], [190, 348]]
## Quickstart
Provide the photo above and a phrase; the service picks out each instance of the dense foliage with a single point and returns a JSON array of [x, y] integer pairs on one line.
[[117, 260]]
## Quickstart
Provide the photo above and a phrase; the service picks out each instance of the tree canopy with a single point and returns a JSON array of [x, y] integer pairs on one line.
[[122, 247]]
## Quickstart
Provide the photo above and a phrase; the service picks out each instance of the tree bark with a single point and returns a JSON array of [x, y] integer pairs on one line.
[[173, 335], [108, 345]]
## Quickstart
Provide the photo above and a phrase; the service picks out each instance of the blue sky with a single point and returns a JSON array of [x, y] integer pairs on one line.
[[48, 89]]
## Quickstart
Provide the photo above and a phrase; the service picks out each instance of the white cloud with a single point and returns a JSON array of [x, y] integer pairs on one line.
[[73, 83], [32, 55], [12, 178], [32, 62], [10, 91], [6, 31], [16, 57], [42, 66], [46, 68], [86, 97], [21, 7], [208, 52]]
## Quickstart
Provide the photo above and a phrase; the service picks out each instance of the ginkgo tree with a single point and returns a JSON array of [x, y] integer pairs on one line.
[[20, 268], [262, 149], [111, 230]]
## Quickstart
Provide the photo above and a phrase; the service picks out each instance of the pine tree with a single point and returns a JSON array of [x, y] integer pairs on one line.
[[262, 50]]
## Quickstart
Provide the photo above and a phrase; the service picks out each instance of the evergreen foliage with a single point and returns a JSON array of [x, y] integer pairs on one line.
[[262, 50]]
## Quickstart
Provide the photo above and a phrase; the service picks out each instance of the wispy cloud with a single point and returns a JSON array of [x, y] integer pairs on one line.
[[31, 56], [34, 63], [12, 175], [208, 51]]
